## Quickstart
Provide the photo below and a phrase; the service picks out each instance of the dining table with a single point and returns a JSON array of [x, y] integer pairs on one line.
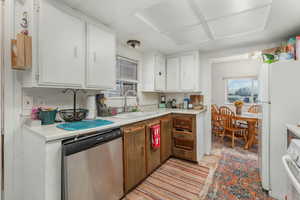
[[253, 121]]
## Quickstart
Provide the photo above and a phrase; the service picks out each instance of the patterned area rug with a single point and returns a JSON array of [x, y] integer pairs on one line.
[[237, 175], [175, 180]]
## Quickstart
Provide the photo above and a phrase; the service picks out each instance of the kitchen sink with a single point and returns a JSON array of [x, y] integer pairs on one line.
[[131, 115]]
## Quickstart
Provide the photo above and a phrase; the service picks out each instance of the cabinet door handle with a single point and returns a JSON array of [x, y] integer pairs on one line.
[[95, 57], [142, 151], [75, 52], [134, 129]]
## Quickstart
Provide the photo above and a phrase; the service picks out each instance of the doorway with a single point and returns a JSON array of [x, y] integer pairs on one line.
[[235, 80], [235, 91]]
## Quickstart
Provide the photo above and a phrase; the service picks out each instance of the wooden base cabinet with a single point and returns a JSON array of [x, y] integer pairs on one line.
[[153, 155], [134, 155], [184, 144], [166, 138], [178, 139]]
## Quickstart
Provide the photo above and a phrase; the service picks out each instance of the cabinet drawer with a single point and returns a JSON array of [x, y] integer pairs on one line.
[[185, 123], [183, 135], [184, 154], [184, 144]]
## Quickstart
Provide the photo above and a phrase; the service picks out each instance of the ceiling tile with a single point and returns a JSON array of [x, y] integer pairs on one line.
[[193, 35], [150, 40], [244, 23], [131, 25], [170, 15], [110, 11], [212, 9]]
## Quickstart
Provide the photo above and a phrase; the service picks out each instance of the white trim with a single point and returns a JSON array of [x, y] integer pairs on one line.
[[10, 123], [2, 8], [127, 59]]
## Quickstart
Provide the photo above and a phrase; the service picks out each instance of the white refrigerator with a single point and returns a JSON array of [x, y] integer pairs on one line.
[[280, 100]]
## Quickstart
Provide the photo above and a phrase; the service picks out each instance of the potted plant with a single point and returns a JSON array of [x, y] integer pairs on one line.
[[238, 107]]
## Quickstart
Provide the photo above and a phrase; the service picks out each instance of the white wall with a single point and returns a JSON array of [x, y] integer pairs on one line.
[[238, 68], [12, 122]]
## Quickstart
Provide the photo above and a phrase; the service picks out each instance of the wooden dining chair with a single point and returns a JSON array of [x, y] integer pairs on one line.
[[214, 108], [216, 122], [254, 109], [231, 130], [224, 110]]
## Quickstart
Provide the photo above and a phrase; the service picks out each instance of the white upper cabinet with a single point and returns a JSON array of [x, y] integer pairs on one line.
[[160, 73], [101, 58], [154, 72], [61, 47], [173, 71], [70, 50], [183, 72], [188, 69]]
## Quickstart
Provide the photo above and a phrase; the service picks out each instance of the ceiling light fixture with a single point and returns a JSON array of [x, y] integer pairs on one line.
[[134, 43]]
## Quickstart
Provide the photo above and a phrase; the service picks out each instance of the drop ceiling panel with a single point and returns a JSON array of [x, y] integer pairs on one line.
[[170, 15], [150, 41], [110, 11], [131, 25], [212, 9], [193, 35], [244, 23]]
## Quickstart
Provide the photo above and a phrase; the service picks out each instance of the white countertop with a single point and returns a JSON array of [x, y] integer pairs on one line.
[[51, 132], [294, 129]]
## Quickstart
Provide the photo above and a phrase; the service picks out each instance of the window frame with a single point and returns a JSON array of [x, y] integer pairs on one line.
[[253, 78], [121, 81]]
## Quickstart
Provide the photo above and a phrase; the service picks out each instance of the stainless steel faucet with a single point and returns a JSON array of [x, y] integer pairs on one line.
[[125, 108]]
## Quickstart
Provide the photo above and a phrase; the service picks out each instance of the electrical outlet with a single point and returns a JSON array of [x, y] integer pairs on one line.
[[41, 101], [27, 102], [27, 105]]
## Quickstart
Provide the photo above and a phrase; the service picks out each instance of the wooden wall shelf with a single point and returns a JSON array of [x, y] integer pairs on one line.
[[21, 57]]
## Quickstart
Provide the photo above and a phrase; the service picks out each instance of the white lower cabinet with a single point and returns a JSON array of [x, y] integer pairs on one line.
[[101, 62], [68, 50]]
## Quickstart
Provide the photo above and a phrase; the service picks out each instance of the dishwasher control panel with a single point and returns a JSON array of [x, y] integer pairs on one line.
[[88, 140]]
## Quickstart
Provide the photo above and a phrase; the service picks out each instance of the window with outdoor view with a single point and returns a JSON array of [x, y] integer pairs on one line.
[[244, 89], [127, 77]]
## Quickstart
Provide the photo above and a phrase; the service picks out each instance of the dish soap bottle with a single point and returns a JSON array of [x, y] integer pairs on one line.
[[185, 103]]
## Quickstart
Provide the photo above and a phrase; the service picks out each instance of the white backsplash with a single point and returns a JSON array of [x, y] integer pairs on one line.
[[51, 98], [54, 98], [179, 96]]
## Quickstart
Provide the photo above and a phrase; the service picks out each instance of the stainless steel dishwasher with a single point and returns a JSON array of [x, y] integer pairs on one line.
[[92, 166]]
